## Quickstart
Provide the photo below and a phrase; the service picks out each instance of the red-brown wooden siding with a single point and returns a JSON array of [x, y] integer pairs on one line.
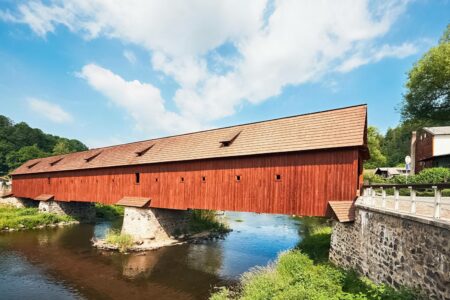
[[308, 181]]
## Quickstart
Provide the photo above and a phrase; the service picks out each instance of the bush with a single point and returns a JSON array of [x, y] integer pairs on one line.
[[373, 178], [121, 240], [433, 175], [108, 212], [203, 220], [317, 244]]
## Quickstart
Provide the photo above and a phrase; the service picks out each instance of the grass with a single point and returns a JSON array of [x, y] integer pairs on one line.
[[27, 218], [239, 220], [108, 212], [121, 240], [305, 273], [206, 220]]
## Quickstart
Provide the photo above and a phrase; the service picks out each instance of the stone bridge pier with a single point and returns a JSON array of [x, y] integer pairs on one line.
[[81, 211], [154, 225], [397, 248]]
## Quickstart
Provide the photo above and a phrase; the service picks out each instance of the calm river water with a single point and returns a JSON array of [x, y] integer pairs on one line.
[[59, 263]]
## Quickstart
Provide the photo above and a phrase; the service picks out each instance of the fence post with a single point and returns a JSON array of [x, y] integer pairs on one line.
[[374, 198], [383, 195], [437, 202], [412, 194], [396, 195]]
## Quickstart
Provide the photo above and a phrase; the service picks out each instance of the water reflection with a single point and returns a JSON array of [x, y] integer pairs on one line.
[[60, 263]]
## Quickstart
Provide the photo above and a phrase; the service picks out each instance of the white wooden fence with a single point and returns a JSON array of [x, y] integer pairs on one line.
[[436, 207]]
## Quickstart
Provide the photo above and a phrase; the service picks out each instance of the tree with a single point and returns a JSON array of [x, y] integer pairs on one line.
[[428, 86], [374, 142], [16, 158], [62, 147]]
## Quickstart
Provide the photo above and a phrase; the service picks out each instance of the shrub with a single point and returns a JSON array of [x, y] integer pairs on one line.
[[373, 178], [121, 240], [203, 220], [433, 175], [108, 212]]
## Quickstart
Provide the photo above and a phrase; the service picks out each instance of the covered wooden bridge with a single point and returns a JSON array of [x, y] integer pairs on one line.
[[293, 165]]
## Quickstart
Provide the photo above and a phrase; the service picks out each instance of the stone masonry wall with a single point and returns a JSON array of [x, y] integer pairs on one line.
[[18, 202], [397, 249], [81, 211], [154, 223]]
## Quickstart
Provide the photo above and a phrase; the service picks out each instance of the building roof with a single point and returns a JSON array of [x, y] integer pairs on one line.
[[441, 130], [336, 128], [343, 211], [390, 171]]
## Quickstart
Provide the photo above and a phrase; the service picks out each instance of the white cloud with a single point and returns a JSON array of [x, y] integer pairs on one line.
[[376, 55], [49, 110], [142, 101], [129, 55], [276, 44]]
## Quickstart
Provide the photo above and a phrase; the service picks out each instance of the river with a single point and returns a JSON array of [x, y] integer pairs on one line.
[[60, 263]]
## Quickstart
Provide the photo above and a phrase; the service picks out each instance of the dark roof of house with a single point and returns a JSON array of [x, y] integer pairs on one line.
[[336, 128]]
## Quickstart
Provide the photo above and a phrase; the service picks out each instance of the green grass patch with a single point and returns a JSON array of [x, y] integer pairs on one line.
[[206, 220], [305, 273], [108, 212], [27, 218], [239, 220], [122, 240]]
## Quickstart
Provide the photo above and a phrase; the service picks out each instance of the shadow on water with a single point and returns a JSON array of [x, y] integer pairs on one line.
[[59, 263]]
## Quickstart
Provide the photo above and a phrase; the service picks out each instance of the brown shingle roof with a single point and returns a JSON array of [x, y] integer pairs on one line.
[[344, 211], [323, 130]]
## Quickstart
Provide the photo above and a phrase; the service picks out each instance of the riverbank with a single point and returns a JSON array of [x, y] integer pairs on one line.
[[14, 219], [305, 273]]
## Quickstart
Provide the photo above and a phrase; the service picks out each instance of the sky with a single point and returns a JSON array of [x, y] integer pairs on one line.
[[109, 72]]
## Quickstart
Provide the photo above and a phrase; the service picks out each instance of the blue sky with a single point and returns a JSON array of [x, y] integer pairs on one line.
[[108, 73]]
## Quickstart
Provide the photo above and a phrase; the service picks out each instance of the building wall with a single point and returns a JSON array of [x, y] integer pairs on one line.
[[424, 150], [389, 248], [441, 145], [308, 180]]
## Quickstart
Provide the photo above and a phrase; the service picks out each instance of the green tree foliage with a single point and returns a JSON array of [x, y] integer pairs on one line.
[[374, 142], [428, 86], [16, 158], [19, 142]]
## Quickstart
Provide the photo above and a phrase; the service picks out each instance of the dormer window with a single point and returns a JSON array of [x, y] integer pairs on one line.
[[56, 161], [144, 150], [33, 164], [89, 158], [228, 140]]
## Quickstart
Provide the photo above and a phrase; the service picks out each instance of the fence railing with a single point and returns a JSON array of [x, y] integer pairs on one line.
[[426, 200]]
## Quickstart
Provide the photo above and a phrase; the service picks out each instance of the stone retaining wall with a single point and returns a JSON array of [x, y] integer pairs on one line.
[[81, 211], [19, 202], [397, 249]]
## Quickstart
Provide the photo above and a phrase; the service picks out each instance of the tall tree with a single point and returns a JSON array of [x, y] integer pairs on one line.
[[428, 87], [374, 142]]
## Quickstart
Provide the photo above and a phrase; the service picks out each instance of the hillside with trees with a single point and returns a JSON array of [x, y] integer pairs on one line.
[[19, 143], [425, 103]]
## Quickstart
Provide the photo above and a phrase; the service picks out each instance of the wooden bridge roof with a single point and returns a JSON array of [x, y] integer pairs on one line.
[[336, 128]]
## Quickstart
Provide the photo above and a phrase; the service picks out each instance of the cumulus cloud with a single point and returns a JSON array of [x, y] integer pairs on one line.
[[51, 111], [142, 101], [273, 44]]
